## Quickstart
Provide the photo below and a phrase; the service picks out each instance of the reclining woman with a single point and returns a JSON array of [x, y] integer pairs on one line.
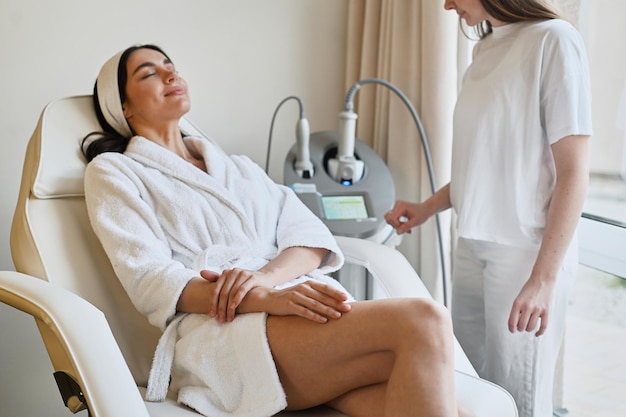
[[233, 268]]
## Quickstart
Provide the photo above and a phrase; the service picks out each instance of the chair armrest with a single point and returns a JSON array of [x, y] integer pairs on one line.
[[386, 265], [79, 342]]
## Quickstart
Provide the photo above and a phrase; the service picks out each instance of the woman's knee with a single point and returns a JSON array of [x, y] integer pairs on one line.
[[425, 321], [429, 313]]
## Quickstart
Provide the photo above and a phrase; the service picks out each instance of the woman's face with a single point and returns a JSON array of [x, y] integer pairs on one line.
[[155, 94], [471, 10]]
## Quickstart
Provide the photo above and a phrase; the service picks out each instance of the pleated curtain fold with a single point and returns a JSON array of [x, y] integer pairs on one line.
[[413, 44]]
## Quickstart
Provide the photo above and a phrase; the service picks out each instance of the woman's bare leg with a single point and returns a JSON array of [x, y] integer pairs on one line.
[[398, 350], [369, 399]]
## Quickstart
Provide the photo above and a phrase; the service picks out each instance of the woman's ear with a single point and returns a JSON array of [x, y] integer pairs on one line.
[[127, 113]]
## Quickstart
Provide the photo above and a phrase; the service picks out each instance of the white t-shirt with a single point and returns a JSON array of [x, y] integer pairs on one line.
[[527, 87]]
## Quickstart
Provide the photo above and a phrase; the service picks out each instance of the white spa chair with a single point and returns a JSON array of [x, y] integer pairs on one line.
[[99, 345]]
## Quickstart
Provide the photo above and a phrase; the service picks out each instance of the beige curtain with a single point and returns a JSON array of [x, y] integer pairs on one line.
[[569, 9], [413, 45]]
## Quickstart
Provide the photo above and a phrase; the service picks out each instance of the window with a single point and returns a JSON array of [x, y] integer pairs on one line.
[[594, 365]]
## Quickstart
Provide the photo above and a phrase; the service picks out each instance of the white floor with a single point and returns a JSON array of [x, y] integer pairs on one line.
[[595, 346]]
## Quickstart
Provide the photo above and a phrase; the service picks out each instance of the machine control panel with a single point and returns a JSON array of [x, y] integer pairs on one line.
[[353, 210]]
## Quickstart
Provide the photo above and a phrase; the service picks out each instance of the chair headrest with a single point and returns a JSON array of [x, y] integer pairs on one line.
[[58, 162]]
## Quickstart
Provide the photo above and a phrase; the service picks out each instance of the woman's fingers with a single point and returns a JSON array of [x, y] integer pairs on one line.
[[213, 277], [244, 282], [544, 323], [395, 215], [224, 295], [528, 319], [328, 295], [209, 275], [400, 218], [311, 299], [232, 281], [235, 284], [319, 302]]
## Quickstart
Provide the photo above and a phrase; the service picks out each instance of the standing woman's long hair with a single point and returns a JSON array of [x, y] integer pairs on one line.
[[512, 11], [109, 139]]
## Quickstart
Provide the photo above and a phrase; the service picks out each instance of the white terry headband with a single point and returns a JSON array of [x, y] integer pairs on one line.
[[109, 96]]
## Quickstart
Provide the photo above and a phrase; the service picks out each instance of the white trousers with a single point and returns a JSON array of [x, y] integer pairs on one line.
[[487, 277]]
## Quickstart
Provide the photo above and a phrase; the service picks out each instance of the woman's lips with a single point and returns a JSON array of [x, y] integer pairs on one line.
[[176, 91]]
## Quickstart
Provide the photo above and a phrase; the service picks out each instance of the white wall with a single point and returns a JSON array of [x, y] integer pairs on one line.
[[240, 57], [602, 25]]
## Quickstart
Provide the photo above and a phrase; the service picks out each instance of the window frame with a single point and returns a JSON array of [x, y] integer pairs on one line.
[[602, 244]]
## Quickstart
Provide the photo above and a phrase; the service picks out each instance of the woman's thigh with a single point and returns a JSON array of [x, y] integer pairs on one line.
[[319, 362]]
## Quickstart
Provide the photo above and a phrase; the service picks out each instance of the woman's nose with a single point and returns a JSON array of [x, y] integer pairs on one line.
[[170, 76], [448, 4]]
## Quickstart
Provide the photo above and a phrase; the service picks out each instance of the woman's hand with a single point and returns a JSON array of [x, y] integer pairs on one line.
[[572, 174], [311, 300], [231, 287], [532, 307], [405, 215]]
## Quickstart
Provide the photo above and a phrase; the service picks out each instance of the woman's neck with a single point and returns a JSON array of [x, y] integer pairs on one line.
[[171, 138]]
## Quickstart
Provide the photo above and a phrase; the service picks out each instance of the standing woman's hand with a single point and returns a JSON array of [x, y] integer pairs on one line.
[[405, 215], [572, 174], [531, 308]]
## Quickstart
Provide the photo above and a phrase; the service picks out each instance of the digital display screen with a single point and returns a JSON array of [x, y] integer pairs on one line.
[[344, 207]]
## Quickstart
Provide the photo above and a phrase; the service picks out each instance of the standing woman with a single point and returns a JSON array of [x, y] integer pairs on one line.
[[522, 123]]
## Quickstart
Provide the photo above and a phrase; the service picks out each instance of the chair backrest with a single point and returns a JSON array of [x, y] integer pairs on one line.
[[51, 237]]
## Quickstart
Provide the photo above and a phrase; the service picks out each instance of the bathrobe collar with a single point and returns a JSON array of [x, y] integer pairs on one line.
[[152, 155]]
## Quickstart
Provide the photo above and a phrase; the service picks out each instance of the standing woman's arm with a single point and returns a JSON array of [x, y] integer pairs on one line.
[[572, 177]]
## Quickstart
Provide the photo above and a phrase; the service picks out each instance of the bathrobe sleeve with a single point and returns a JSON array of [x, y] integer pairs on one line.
[[297, 225], [133, 239], [290, 232]]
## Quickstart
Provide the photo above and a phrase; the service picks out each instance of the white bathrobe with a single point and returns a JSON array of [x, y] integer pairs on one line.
[[161, 220]]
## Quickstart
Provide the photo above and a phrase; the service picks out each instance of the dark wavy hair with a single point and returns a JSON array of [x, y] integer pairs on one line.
[[109, 140], [512, 11]]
